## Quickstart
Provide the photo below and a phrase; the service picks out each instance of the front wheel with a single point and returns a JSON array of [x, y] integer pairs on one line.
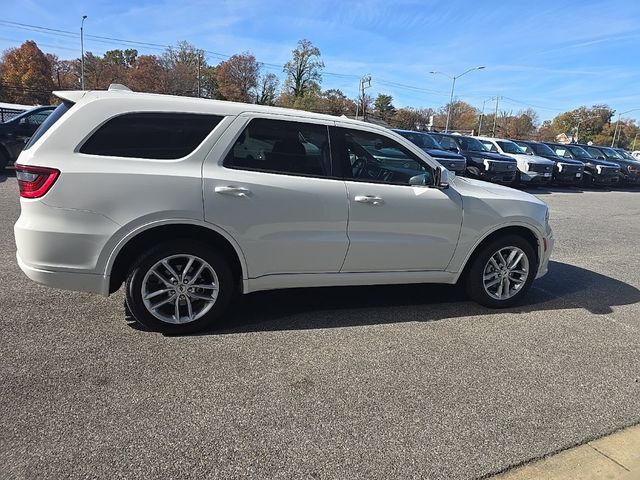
[[179, 287], [502, 272]]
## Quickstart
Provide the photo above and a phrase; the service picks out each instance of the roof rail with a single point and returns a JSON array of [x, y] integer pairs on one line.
[[120, 87]]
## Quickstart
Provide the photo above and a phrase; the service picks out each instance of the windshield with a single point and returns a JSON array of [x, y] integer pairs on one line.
[[542, 149], [422, 140], [579, 151], [611, 153], [509, 147], [48, 123], [472, 144], [445, 142]]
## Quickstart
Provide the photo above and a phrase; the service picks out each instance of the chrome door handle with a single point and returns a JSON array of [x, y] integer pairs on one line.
[[233, 191], [372, 199]]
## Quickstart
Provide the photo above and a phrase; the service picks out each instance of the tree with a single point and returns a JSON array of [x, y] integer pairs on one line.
[[64, 73], [411, 118], [584, 124], [334, 102], [383, 106], [462, 116], [238, 77], [146, 75], [26, 75], [268, 89], [304, 70], [183, 64]]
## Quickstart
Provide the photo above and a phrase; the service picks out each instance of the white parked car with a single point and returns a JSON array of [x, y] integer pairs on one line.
[[532, 169], [636, 153], [158, 192]]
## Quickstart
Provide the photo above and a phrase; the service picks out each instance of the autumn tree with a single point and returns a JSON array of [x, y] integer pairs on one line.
[[238, 77], [462, 116], [586, 124], [146, 74], [64, 73], [334, 102], [304, 70], [26, 75], [408, 118], [383, 106]]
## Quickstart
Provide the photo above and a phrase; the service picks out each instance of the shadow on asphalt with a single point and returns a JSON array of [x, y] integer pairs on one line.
[[564, 287], [549, 189]]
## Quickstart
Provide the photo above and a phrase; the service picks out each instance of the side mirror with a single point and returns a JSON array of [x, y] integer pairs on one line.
[[601, 157], [453, 149], [442, 177], [23, 121]]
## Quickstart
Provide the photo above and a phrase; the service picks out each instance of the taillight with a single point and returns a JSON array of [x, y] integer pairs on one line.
[[34, 182]]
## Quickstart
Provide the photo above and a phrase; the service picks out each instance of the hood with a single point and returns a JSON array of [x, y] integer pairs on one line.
[[472, 186], [603, 163], [523, 157], [434, 152]]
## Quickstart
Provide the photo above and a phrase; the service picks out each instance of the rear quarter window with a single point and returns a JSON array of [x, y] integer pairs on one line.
[[48, 123], [159, 136]]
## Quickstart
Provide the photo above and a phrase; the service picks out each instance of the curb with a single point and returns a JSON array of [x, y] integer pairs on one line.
[[614, 457]]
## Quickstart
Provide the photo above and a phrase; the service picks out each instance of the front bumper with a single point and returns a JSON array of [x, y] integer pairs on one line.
[[545, 254], [535, 177]]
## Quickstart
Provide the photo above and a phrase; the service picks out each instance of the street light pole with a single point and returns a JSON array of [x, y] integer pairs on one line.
[[84, 17], [453, 86]]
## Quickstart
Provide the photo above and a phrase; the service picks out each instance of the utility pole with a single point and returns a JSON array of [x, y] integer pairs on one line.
[[365, 82], [84, 17], [495, 117], [199, 62]]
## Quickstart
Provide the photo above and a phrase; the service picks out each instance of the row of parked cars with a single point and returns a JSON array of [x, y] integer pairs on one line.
[[514, 162]]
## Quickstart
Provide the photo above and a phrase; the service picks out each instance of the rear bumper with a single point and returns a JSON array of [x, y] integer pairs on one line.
[[66, 280]]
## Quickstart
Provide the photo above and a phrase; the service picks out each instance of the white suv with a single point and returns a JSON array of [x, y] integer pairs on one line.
[[532, 169], [162, 193]]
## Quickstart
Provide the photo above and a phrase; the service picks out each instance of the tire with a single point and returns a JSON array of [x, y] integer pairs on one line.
[[516, 179], [202, 303], [474, 281]]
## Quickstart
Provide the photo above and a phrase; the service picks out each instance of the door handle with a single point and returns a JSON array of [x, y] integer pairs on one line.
[[372, 199], [233, 191]]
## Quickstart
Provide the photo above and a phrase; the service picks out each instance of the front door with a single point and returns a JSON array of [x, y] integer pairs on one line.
[[276, 193], [394, 226]]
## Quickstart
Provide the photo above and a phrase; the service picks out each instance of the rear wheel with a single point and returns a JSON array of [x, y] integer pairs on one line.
[[4, 161], [502, 272], [179, 287]]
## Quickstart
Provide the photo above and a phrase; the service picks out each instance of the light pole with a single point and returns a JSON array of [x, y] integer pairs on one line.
[[615, 132], [84, 17], [482, 115], [453, 86]]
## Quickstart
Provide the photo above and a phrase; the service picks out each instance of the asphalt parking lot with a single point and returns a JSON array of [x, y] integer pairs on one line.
[[376, 382]]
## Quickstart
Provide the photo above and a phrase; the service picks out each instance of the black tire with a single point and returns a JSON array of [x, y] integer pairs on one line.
[[473, 280], [516, 179], [145, 262]]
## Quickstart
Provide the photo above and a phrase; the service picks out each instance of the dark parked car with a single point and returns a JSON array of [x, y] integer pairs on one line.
[[566, 170], [17, 131], [629, 169], [481, 163], [449, 160], [596, 172]]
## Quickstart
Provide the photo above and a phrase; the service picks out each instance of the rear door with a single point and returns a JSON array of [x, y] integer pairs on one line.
[[270, 183]]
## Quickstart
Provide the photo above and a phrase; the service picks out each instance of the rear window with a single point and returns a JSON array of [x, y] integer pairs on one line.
[[160, 136], [48, 123]]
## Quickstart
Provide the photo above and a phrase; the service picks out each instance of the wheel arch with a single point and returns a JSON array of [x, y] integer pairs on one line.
[[522, 230], [130, 247]]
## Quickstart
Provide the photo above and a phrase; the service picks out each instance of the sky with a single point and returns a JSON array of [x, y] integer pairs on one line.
[[552, 56]]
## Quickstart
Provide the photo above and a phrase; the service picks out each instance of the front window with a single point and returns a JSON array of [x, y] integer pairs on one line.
[[611, 153], [378, 159], [490, 146]]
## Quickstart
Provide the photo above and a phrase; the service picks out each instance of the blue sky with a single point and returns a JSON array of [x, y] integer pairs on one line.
[[550, 55]]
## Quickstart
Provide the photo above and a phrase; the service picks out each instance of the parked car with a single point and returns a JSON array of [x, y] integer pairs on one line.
[[148, 190], [450, 160], [636, 153], [531, 168], [17, 131], [565, 171], [626, 154], [629, 169], [481, 163], [596, 172]]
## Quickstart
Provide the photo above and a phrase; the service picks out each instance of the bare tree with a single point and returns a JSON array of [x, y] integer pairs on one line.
[[304, 70]]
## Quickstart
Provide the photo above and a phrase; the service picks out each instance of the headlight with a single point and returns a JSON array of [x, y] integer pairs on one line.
[[559, 167], [487, 164], [632, 169], [599, 169]]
